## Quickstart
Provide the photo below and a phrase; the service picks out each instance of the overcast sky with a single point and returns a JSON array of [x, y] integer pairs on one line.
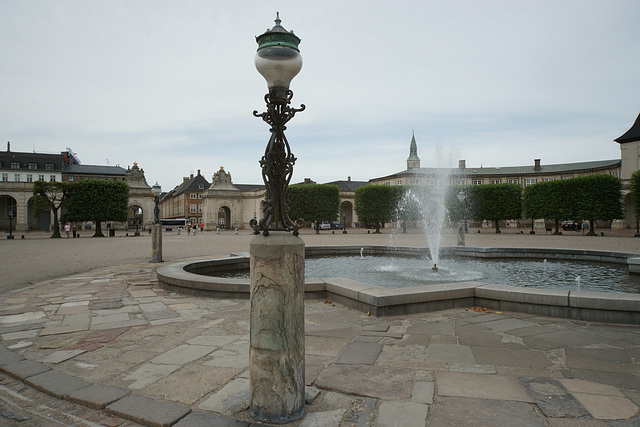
[[172, 84]]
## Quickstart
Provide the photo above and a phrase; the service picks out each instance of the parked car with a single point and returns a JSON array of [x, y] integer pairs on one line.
[[325, 225], [572, 225], [335, 225]]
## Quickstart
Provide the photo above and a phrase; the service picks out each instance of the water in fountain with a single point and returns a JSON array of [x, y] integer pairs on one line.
[[426, 205]]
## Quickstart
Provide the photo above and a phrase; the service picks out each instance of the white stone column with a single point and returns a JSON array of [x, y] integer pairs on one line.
[[276, 351]]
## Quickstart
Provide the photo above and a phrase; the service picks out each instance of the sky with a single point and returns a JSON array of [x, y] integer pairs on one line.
[[172, 84]]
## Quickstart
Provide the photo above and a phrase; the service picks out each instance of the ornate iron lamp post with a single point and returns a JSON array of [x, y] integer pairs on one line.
[[276, 351], [278, 59], [10, 215]]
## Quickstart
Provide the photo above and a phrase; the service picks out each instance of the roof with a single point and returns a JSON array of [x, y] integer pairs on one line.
[[249, 187], [6, 157], [510, 170], [349, 185], [93, 170], [192, 185], [632, 135]]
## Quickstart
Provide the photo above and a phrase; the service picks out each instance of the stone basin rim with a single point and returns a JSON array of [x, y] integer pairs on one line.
[[183, 277]]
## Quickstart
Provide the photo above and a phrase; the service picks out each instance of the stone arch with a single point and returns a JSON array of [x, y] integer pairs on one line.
[[9, 208], [136, 215], [224, 217], [346, 213]]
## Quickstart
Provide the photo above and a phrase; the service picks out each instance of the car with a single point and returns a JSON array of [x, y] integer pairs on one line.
[[335, 225], [325, 225], [572, 225]]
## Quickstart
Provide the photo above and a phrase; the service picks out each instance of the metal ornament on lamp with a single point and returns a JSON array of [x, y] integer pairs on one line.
[[278, 59]]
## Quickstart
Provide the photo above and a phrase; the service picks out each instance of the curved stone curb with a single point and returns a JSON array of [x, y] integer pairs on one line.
[[190, 278]]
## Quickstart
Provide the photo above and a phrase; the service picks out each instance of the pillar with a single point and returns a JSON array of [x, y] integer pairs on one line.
[[276, 352], [156, 243]]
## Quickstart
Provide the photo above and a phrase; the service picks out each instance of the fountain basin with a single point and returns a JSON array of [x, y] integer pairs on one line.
[[190, 278]]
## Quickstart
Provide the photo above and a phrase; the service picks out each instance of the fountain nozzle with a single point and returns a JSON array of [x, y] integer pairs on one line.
[[435, 267]]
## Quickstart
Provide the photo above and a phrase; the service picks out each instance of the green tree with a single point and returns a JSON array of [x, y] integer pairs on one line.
[[98, 201], [597, 197], [377, 204], [53, 196], [497, 202], [548, 200], [634, 186], [314, 202]]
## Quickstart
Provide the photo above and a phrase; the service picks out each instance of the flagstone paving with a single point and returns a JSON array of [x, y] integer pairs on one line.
[[113, 342]]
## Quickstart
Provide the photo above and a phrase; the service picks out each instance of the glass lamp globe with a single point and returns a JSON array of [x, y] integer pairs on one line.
[[278, 58]]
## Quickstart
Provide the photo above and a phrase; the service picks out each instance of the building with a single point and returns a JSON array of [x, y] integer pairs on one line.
[[185, 200], [630, 159], [19, 170]]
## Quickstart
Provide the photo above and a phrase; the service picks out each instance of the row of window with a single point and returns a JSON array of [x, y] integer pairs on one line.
[[18, 177], [195, 195], [193, 208], [32, 166], [106, 178]]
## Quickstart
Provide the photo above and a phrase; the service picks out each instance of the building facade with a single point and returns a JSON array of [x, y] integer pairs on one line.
[[185, 200]]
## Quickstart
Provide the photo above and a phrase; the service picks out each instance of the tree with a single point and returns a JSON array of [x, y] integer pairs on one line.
[[634, 186], [377, 204], [51, 195], [597, 197], [98, 201], [497, 202], [549, 200], [314, 202]]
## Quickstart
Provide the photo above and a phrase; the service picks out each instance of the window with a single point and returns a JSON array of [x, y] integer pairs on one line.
[[461, 182], [33, 166], [70, 179], [399, 182], [16, 177], [566, 177], [614, 173], [200, 196], [429, 184], [513, 181], [29, 177], [495, 181], [15, 165], [49, 166], [193, 208], [52, 178], [199, 208], [201, 186], [415, 182], [193, 196], [548, 179], [476, 182], [530, 181], [387, 183], [40, 177], [5, 177]]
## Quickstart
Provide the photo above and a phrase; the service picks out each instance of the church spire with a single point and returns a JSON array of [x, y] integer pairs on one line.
[[413, 161]]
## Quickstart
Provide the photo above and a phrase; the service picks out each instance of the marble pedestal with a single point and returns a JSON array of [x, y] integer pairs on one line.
[[276, 351], [156, 243]]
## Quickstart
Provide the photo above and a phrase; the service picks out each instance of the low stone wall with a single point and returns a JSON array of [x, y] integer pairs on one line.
[[188, 278]]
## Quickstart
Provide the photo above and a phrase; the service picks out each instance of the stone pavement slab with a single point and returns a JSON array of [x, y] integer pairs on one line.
[[7, 356], [450, 353], [360, 353], [56, 383], [510, 357], [323, 419], [461, 411], [183, 354], [148, 374], [207, 419], [552, 398], [96, 396], [482, 386], [148, 411], [607, 407], [370, 381], [400, 414], [232, 399], [24, 369]]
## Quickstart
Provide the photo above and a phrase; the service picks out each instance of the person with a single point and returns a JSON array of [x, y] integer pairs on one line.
[[188, 229], [201, 226], [195, 228], [67, 229], [75, 230]]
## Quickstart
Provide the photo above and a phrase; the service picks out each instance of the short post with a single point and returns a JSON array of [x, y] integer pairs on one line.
[[10, 236], [344, 224]]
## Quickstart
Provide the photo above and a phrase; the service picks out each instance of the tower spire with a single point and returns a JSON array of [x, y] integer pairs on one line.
[[413, 161]]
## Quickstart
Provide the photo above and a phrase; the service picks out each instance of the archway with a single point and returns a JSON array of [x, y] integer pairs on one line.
[[346, 214], [135, 216], [37, 220], [224, 217], [9, 209]]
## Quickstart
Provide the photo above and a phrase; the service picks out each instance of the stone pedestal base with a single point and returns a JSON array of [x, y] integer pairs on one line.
[[276, 351], [156, 243]]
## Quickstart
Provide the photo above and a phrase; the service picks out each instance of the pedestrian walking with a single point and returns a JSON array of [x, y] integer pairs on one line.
[[67, 229], [74, 229]]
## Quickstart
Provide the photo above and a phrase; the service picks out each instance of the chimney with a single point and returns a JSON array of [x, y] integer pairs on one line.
[[462, 164], [307, 180], [348, 179], [8, 146], [198, 171], [185, 179], [536, 165]]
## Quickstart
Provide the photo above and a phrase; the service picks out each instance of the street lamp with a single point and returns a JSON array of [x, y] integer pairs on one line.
[[276, 347], [10, 215], [462, 226], [278, 59]]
